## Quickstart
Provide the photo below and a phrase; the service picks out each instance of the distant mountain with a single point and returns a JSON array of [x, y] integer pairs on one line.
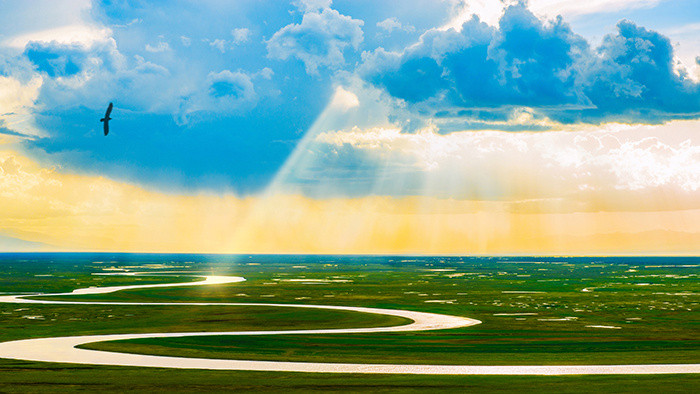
[[12, 244]]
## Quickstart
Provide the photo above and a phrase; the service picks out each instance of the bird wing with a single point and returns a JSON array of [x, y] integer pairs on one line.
[[106, 126], [109, 110]]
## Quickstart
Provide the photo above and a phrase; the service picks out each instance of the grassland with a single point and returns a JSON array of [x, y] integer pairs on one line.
[[28, 377], [534, 311]]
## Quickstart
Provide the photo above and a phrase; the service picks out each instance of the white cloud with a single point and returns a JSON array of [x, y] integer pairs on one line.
[[265, 73], [225, 92], [14, 95], [390, 24], [240, 35], [90, 79], [318, 41], [16, 101], [218, 44], [73, 34], [487, 10], [159, 47], [643, 160], [312, 5], [14, 181], [344, 100], [236, 85]]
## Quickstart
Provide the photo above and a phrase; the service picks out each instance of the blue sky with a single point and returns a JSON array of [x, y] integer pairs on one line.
[[216, 95]]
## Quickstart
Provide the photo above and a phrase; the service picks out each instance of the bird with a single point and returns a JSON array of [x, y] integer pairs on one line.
[[106, 119]]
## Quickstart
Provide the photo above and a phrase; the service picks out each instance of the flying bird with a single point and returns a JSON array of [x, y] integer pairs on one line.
[[106, 119]]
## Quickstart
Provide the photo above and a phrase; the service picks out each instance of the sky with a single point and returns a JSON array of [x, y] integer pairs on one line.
[[351, 126]]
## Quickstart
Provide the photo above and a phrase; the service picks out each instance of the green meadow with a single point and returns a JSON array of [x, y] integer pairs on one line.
[[534, 311]]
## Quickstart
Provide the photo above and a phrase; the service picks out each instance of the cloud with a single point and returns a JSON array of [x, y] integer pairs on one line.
[[344, 100], [613, 167], [265, 73], [491, 11], [319, 40], [218, 44], [522, 63], [16, 102], [66, 60], [240, 35], [486, 10], [488, 73], [389, 25], [72, 34], [631, 78], [76, 73], [159, 47], [312, 5], [229, 84], [226, 92]]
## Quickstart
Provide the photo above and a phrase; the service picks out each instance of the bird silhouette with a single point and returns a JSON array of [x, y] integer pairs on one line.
[[106, 119]]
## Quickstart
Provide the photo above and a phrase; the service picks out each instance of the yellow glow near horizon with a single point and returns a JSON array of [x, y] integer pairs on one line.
[[77, 212]]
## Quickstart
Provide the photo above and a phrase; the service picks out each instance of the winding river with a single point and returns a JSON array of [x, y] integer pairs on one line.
[[64, 349]]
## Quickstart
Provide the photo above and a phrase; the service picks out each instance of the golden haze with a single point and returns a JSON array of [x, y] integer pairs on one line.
[[78, 212]]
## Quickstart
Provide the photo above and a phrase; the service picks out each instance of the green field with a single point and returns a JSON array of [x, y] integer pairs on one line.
[[534, 311]]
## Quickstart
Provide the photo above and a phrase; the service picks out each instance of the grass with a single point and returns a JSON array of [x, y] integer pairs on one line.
[[31, 377], [653, 301], [420, 348], [63, 320]]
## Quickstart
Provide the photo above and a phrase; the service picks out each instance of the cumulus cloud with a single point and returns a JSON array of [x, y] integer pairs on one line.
[[65, 60], [490, 11], [226, 92], [219, 44], [240, 35], [488, 72], [265, 73], [159, 47], [235, 85], [389, 25], [632, 78], [75, 74], [319, 40]]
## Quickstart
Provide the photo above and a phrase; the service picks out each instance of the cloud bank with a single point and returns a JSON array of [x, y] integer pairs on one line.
[[490, 72]]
